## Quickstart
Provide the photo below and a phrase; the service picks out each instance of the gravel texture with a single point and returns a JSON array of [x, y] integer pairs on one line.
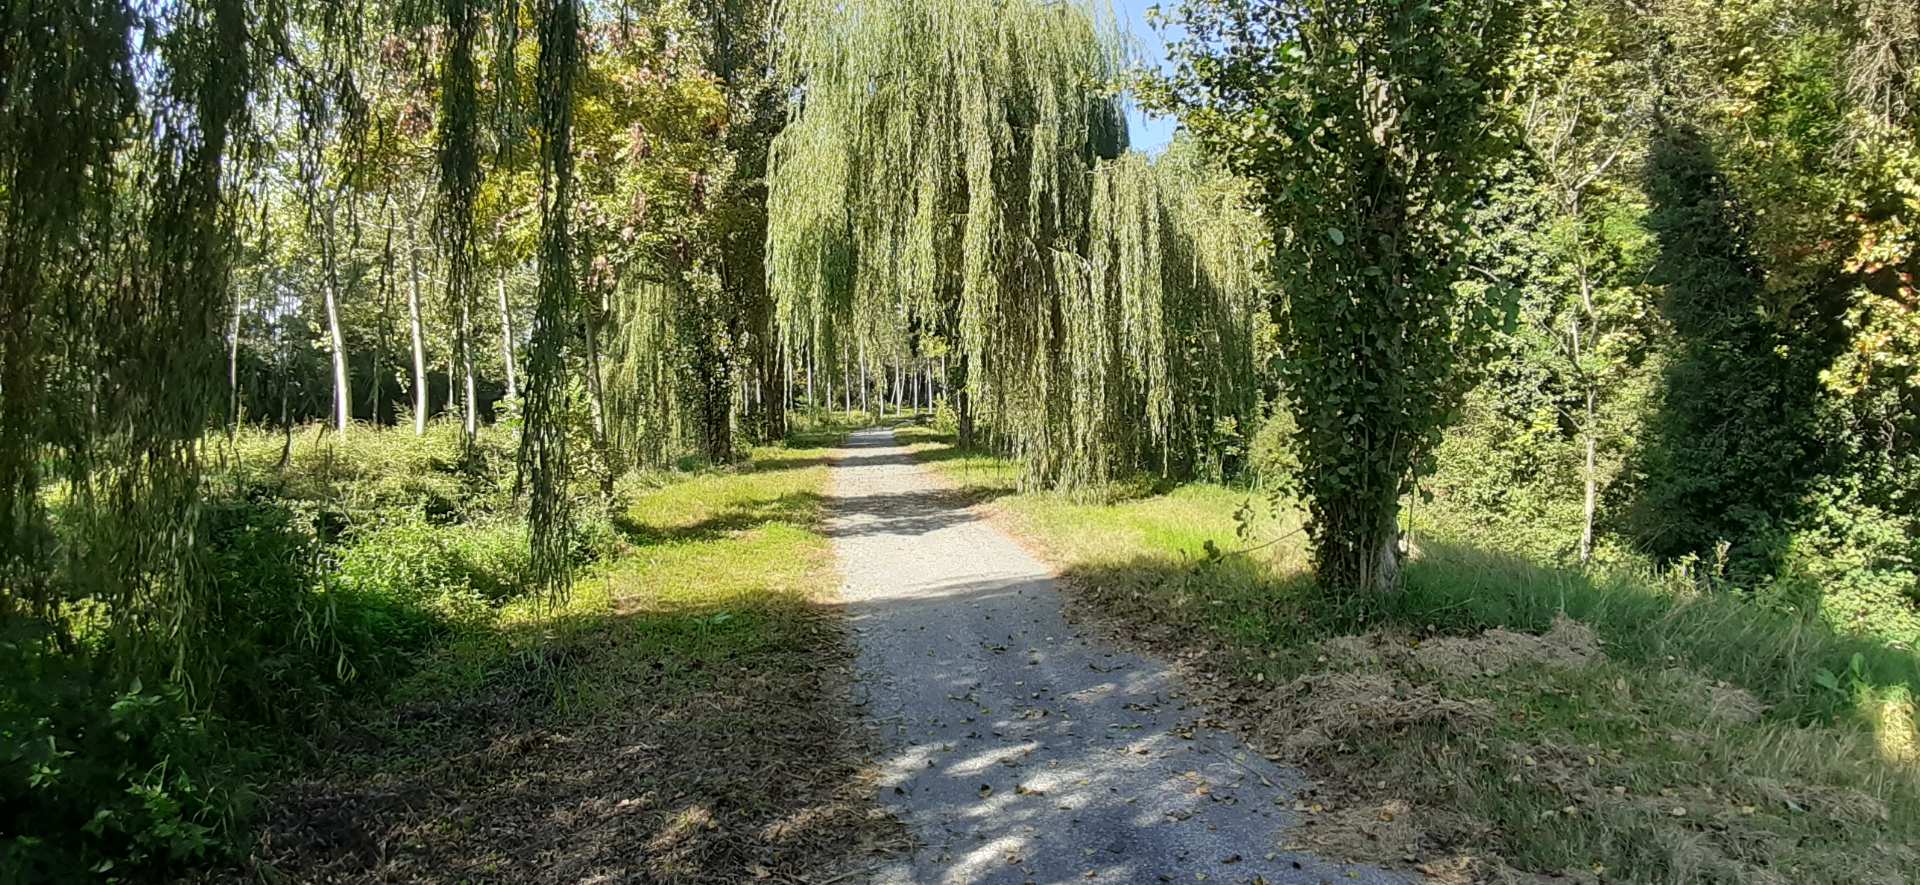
[[1017, 747]]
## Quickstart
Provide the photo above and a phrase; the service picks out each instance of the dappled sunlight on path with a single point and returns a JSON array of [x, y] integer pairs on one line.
[[1017, 747]]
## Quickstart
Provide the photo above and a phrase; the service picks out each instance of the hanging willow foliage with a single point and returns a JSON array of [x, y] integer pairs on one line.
[[949, 172], [119, 232], [671, 208], [458, 139], [68, 95], [1175, 254], [543, 443]]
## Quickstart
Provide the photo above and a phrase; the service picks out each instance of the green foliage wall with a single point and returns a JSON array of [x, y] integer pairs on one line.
[[1746, 247]]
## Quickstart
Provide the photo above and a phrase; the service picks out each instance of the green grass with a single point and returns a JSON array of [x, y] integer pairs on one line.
[[1616, 769], [681, 716]]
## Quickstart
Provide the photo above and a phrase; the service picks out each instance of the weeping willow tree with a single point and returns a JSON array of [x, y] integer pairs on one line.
[[119, 235], [951, 171], [1174, 277]]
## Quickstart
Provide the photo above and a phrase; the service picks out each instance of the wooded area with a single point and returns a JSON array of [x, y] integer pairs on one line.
[[327, 328]]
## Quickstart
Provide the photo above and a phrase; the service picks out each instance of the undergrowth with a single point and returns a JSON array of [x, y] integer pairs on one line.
[[332, 563]]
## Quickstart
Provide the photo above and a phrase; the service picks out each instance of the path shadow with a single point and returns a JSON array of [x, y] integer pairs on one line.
[[912, 513], [792, 507], [658, 746]]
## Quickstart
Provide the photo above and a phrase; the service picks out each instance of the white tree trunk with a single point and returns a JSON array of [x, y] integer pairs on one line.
[[1593, 485], [1588, 430], [1386, 569], [233, 370], [472, 401], [506, 340], [419, 337], [342, 397]]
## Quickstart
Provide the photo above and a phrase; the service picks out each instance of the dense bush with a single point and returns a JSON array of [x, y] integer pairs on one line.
[[324, 579], [101, 773]]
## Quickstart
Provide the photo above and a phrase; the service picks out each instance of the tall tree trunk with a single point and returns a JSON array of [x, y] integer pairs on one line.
[[420, 395], [376, 391], [286, 410], [386, 321], [771, 395], [342, 398], [472, 399], [1592, 484], [506, 339], [962, 404], [453, 378], [864, 385], [1588, 432], [233, 370], [596, 396]]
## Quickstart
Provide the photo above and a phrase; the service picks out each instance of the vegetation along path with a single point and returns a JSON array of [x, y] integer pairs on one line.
[[1018, 747]]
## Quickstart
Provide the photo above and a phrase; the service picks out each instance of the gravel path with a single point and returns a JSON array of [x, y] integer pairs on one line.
[[1016, 747]]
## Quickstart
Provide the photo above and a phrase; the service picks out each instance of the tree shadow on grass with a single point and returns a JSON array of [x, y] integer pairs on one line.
[[668, 744], [787, 462]]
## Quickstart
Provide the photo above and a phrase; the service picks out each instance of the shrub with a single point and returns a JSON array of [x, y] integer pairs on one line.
[[101, 775]]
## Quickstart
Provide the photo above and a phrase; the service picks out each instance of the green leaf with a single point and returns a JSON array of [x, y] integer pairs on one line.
[[1338, 236]]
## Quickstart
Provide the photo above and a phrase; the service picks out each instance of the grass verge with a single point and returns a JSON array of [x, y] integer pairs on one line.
[[682, 717], [1503, 721]]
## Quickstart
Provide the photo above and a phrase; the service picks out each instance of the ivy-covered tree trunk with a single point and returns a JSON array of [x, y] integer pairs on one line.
[[544, 461], [715, 417], [1378, 329]]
